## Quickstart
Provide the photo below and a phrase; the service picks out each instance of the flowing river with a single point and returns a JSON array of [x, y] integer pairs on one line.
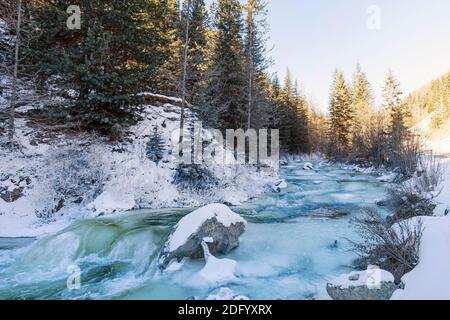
[[295, 241]]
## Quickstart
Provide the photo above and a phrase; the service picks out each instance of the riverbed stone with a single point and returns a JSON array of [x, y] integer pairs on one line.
[[360, 286], [223, 239], [328, 213]]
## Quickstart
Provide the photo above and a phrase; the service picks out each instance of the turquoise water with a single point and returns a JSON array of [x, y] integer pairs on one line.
[[287, 252]]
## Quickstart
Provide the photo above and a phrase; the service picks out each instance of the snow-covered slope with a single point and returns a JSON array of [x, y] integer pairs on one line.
[[62, 178], [430, 280]]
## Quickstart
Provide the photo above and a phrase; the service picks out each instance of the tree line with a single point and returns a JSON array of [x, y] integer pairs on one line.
[[360, 131]]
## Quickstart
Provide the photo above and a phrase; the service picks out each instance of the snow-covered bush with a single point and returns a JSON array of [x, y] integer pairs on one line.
[[392, 248], [195, 178], [415, 197], [73, 175]]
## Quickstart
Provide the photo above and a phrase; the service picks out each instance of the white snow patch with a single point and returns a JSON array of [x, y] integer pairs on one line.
[[217, 271], [362, 278], [430, 279]]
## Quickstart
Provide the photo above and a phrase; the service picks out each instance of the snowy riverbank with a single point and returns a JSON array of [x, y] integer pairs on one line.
[[54, 179]]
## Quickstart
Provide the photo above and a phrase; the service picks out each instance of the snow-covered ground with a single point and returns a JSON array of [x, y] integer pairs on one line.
[[430, 280]]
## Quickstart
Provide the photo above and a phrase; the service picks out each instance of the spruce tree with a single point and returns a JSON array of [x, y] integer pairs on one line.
[[169, 75], [226, 103], [363, 108], [256, 30], [197, 62], [397, 131], [108, 62], [341, 115], [155, 146]]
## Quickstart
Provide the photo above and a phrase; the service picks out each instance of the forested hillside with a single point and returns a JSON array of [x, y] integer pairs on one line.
[[93, 77]]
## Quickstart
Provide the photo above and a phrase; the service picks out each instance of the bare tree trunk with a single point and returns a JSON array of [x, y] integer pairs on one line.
[[185, 62], [14, 80], [250, 66]]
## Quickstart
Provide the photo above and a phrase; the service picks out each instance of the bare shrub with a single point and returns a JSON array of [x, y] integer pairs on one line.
[[392, 248], [415, 197], [406, 157], [73, 175], [430, 175]]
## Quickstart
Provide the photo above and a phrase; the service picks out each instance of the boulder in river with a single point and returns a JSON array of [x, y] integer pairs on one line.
[[308, 166], [328, 213], [215, 222], [372, 284]]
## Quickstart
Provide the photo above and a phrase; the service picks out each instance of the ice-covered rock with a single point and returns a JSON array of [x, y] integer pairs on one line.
[[372, 284], [278, 185], [390, 177], [216, 271], [226, 294], [216, 222], [308, 166]]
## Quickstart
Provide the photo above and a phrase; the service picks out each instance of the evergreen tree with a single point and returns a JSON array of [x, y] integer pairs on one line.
[[363, 108], [197, 62], [169, 75], [226, 104], [300, 131], [397, 131], [112, 58], [362, 99], [256, 29], [341, 115], [155, 147]]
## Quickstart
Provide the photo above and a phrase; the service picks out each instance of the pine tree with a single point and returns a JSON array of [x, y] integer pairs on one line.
[[300, 130], [169, 75], [362, 99], [341, 115], [256, 30], [155, 147], [397, 131], [363, 108], [198, 53], [226, 105], [108, 62]]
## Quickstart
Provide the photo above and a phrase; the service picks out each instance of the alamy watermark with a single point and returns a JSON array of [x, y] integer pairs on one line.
[[74, 278], [208, 146], [373, 21], [373, 278], [74, 20]]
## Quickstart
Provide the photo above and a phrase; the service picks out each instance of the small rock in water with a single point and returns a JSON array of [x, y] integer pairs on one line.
[[353, 277], [328, 213], [335, 245], [308, 166]]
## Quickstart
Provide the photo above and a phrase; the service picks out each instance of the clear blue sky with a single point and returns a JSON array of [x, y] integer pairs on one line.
[[314, 37]]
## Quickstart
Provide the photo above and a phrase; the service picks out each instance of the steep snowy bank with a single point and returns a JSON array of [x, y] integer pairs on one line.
[[54, 179], [430, 280]]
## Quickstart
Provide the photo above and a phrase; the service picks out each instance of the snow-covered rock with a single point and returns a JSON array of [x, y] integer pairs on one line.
[[372, 284], [278, 185], [388, 177], [217, 222], [308, 166]]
